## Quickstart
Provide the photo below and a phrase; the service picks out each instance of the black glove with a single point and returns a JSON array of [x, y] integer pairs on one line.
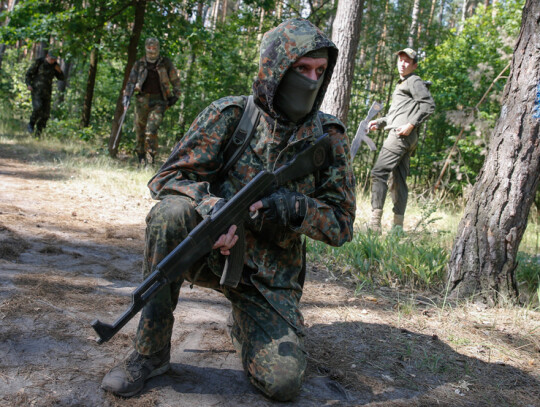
[[284, 207], [172, 100], [125, 100]]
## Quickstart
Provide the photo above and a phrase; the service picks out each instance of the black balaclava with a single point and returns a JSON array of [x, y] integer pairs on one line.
[[296, 93]]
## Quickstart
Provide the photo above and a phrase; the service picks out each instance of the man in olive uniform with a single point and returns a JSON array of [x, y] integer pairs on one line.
[[411, 105], [38, 80], [296, 65], [156, 85]]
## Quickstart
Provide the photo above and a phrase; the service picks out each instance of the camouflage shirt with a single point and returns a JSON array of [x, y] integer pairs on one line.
[[274, 253], [40, 76], [168, 77]]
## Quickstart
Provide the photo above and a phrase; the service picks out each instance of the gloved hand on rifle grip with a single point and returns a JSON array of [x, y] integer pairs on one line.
[[284, 207], [125, 100]]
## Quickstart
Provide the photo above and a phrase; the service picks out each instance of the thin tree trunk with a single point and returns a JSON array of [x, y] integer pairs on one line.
[[90, 85], [10, 6], [140, 9], [414, 23], [62, 85], [483, 259], [346, 35]]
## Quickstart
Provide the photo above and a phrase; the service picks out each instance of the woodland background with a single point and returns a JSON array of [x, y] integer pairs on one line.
[[465, 49]]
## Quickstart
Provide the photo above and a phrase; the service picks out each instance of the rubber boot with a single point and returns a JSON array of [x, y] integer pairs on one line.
[[375, 221]]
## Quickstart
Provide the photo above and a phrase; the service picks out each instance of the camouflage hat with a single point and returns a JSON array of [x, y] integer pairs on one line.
[[151, 42], [411, 53]]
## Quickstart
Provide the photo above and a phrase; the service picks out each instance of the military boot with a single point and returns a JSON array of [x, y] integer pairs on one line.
[[375, 221], [128, 378], [398, 221], [30, 128], [141, 160]]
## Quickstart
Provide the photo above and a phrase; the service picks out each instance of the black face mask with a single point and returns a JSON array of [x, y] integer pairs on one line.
[[296, 95]]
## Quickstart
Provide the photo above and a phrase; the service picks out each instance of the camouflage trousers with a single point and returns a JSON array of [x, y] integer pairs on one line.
[[149, 110], [41, 111], [272, 352], [393, 160]]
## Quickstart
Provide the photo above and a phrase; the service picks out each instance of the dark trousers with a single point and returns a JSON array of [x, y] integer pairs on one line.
[[394, 159], [41, 111]]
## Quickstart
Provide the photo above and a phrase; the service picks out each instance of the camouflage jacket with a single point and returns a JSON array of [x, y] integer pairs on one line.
[[168, 77], [274, 253], [40, 76]]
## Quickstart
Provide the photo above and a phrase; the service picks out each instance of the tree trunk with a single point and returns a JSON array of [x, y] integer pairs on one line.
[[62, 85], [414, 24], [114, 139], [345, 34], [483, 259], [10, 6], [90, 85]]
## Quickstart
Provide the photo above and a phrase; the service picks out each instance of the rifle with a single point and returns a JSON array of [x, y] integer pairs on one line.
[[200, 240], [115, 144], [361, 133]]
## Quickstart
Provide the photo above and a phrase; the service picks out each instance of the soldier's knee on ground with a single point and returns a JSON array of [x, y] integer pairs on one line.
[[277, 369]]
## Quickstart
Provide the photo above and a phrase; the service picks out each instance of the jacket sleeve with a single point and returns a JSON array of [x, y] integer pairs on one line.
[[58, 72], [31, 72], [425, 104], [174, 79], [332, 207], [132, 80], [197, 159]]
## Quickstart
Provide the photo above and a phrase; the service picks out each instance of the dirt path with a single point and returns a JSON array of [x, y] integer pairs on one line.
[[69, 255]]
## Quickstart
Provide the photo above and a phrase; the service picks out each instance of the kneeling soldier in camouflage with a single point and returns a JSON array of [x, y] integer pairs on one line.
[[296, 65]]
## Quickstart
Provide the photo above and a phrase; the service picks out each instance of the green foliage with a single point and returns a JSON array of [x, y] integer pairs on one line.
[[415, 260], [462, 59]]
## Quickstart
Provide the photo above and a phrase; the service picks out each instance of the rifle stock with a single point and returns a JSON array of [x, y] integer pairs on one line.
[[201, 239]]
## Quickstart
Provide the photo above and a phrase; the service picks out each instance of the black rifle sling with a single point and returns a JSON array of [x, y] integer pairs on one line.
[[241, 137]]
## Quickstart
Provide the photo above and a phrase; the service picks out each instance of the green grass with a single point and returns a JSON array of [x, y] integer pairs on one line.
[[416, 258]]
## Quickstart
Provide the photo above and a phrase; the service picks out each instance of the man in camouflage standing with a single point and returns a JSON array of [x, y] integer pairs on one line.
[[296, 65], [38, 80], [411, 105], [156, 85]]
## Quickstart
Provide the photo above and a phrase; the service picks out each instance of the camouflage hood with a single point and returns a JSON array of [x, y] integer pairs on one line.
[[280, 48]]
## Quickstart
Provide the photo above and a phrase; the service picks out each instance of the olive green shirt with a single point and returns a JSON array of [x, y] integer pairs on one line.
[[411, 103]]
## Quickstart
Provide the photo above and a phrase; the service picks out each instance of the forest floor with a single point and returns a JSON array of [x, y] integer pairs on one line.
[[70, 253]]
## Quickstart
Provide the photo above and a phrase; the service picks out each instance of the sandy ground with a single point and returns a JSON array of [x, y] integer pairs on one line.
[[69, 255]]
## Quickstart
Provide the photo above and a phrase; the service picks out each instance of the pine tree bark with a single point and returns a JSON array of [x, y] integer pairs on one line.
[[414, 24], [345, 34], [483, 259], [140, 10]]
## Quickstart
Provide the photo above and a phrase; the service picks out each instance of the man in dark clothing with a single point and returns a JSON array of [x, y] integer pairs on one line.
[[411, 105], [156, 84], [38, 80], [296, 65]]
